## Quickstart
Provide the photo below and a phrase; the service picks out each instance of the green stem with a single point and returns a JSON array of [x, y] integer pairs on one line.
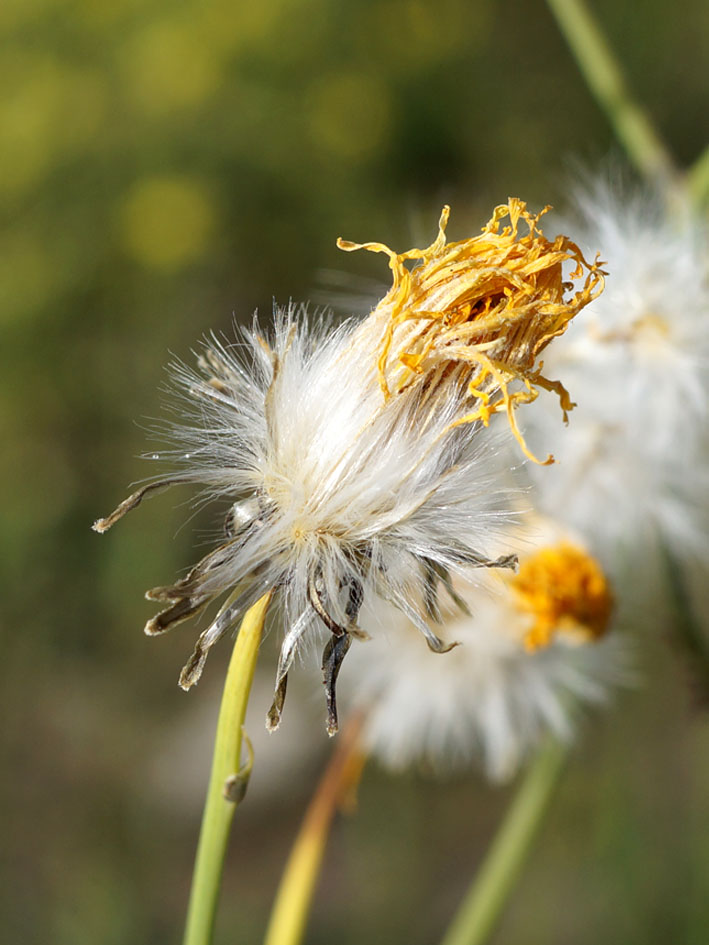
[[604, 76], [483, 904], [226, 782], [295, 892], [698, 179]]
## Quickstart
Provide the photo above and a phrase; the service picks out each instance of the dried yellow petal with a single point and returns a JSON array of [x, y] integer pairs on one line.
[[476, 314]]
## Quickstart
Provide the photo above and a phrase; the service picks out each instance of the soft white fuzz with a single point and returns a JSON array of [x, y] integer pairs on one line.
[[352, 456], [338, 492], [490, 700], [631, 465]]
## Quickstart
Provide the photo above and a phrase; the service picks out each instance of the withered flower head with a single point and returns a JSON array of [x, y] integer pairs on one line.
[[349, 456], [536, 647], [474, 316]]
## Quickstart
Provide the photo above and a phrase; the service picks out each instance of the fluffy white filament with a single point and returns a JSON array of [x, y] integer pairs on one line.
[[337, 492], [631, 465], [491, 700]]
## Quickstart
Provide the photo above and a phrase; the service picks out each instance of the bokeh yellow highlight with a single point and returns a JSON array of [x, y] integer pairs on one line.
[[350, 115], [166, 66], [412, 34], [166, 222], [49, 110]]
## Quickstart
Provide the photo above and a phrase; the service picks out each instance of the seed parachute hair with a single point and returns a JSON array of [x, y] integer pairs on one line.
[[353, 458]]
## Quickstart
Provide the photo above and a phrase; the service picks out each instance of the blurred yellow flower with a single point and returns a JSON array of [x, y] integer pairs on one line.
[[565, 590]]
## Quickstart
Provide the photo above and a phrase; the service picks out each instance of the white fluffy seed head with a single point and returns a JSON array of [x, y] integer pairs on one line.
[[631, 465], [353, 459], [493, 698], [299, 423], [337, 492]]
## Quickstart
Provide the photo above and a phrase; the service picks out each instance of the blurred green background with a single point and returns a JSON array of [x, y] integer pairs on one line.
[[166, 168]]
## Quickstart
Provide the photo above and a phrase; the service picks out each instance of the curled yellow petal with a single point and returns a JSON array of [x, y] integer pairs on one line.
[[475, 315]]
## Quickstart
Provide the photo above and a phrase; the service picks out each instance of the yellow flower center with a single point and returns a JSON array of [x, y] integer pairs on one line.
[[478, 313], [565, 591]]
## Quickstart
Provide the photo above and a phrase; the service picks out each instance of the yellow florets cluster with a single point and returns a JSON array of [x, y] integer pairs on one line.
[[565, 591]]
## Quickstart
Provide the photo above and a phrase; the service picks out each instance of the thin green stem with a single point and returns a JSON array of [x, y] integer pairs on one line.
[[605, 78], [295, 892], [227, 782], [698, 179], [483, 903]]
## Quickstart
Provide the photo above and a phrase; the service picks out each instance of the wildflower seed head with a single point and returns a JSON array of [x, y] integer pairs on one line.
[[529, 659], [335, 493], [351, 458], [472, 317], [631, 470]]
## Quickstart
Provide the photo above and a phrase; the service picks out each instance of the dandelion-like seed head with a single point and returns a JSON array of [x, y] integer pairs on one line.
[[631, 471], [352, 457], [476, 314], [336, 493], [530, 655]]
